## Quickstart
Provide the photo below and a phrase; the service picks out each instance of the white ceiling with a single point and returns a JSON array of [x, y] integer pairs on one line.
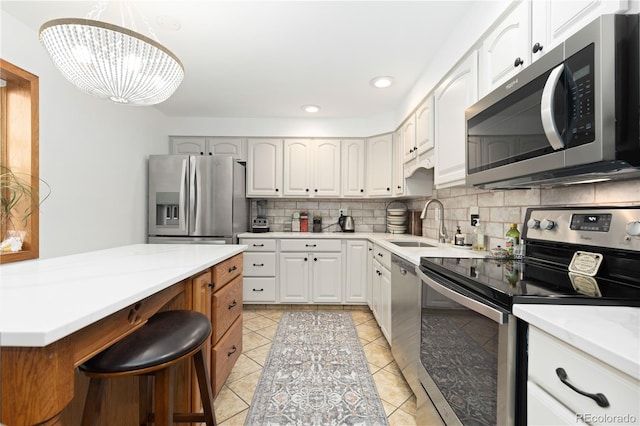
[[268, 58]]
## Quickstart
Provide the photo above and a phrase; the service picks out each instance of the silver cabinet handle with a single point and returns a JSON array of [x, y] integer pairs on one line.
[[546, 109]]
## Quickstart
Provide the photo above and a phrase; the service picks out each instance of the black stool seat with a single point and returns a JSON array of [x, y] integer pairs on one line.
[[153, 350], [166, 336]]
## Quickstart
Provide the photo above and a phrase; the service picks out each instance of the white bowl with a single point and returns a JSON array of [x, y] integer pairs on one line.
[[396, 212], [395, 220]]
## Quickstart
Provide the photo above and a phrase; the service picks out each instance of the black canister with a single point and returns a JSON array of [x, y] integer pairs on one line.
[[317, 224]]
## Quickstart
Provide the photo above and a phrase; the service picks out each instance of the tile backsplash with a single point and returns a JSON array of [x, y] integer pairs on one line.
[[497, 209]]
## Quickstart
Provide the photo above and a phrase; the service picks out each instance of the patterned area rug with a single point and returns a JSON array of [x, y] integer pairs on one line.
[[316, 374]]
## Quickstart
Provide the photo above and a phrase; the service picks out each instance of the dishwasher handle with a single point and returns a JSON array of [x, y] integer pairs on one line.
[[406, 267], [483, 309]]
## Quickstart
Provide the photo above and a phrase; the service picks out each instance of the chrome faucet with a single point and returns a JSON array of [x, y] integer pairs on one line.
[[443, 237]]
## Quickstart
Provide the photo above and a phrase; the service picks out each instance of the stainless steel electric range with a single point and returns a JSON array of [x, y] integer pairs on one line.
[[473, 350]]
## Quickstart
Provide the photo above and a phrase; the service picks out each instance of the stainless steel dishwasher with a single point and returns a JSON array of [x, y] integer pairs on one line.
[[405, 318]]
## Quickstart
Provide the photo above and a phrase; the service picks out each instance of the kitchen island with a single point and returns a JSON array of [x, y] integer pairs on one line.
[[56, 313]]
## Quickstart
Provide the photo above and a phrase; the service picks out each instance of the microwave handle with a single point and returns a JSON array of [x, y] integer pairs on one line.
[[546, 109]]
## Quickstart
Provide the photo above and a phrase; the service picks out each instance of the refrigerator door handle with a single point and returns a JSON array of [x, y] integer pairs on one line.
[[182, 211], [193, 196]]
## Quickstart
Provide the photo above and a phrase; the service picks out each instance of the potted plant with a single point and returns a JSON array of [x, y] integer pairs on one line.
[[18, 200]]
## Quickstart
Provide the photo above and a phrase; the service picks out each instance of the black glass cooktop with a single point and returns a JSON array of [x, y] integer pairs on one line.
[[505, 282]]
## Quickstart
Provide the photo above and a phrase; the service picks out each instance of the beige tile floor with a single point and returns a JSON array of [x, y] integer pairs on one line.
[[259, 328]]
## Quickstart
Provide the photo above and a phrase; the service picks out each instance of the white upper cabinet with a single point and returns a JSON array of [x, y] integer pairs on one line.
[[199, 145], [311, 168], [506, 50], [455, 94], [407, 142], [425, 126], [353, 171], [297, 167], [326, 171], [380, 165], [553, 21], [264, 168]]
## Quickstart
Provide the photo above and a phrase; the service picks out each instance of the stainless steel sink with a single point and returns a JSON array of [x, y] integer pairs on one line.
[[411, 243]]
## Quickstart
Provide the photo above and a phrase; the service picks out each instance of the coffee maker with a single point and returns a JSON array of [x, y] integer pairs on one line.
[[261, 223]]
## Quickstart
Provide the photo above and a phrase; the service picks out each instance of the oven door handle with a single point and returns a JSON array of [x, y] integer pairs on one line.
[[547, 111], [487, 311]]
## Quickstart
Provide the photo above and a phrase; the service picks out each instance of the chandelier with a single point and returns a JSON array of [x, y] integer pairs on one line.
[[112, 62]]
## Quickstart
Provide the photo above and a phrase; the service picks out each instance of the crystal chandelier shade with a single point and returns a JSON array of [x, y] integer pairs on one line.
[[112, 62]]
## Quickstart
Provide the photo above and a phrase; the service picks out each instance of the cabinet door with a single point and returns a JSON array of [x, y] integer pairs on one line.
[[264, 168], [370, 273], [294, 277], [424, 126], [326, 277], [398, 164], [544, 409], [326, 170], [298, 164], [385, 303], [506, 50], [189, 145], [356, 272], [228, 146], [376, 273], [379, 168], [456, 93], [408, 136], [553, 21], [353, 171], [202, 293]]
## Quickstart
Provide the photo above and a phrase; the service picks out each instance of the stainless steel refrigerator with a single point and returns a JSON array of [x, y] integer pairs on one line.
[[196, 199]]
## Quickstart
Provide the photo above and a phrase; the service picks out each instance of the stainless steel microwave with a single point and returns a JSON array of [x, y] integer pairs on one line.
[[570, 117]]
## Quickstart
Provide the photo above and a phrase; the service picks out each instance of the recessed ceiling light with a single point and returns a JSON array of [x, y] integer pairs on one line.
[[381, 82], [311, 108]]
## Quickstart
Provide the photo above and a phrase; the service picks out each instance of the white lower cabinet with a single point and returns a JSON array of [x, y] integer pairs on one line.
[[259, 271], [381, 289], [549, 359], [310, 271], [356, 271]]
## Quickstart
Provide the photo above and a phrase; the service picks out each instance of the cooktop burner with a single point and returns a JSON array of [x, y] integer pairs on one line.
[[586, 255]]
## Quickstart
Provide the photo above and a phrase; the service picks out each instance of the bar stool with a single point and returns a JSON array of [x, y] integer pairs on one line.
[[166, 339]]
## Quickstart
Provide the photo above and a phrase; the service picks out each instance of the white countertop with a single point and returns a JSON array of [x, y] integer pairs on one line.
[[412, 254], [608, 333], [42, 301]]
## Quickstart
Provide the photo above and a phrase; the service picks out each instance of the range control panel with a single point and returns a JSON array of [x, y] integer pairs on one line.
[[612, 227]]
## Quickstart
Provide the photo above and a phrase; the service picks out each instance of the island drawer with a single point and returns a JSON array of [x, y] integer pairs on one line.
[[225, 354], [227, 270], [227, 306]]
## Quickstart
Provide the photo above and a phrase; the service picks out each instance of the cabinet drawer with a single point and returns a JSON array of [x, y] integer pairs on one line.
[[259, 289], [547, 353], [383, 255], [225, 354], [259, 264], [227, 306], [227, 270], [310, 245], [259, 244]]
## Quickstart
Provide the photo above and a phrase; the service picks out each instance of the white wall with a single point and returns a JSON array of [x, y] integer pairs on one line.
[[92, 153]]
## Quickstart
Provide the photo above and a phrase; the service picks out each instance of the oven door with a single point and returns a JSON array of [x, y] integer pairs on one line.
[[467, 355]]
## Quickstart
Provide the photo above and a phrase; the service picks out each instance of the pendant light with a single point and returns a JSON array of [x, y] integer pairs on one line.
[[112, 62]]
